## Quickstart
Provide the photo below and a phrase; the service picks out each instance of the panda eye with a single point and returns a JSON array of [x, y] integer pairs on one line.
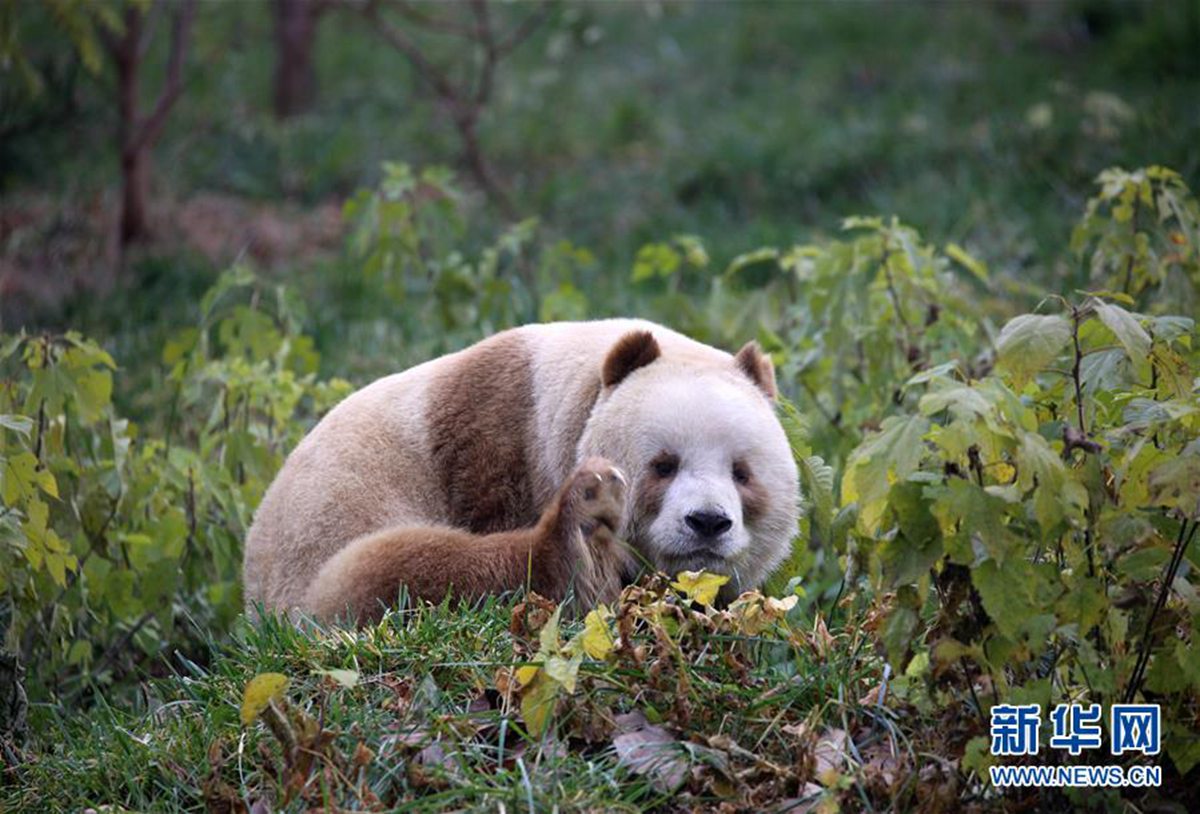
[[665, 465], [741, 475]]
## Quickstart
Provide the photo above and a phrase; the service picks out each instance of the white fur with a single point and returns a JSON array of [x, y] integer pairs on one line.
[[709, 417]]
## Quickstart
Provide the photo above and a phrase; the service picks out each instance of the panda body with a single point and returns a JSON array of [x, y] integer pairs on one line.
[[563, 457]]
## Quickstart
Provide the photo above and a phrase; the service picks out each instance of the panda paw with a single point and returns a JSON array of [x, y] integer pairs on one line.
[[596, 496]]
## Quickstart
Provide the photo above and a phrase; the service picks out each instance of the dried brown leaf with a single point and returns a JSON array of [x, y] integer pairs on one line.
[[655, 753]]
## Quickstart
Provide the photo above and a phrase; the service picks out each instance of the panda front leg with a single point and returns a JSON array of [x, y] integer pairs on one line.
[[578, 549], [572, 550]]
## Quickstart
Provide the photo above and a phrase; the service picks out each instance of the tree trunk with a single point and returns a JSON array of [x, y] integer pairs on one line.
[[295, 74], [134, 170], [135, 190], [138, 133]]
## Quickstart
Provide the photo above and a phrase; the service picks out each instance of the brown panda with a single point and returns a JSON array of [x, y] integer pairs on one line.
[[562, 457]]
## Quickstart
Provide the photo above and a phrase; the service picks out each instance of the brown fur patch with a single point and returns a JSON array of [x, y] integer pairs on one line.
[[633, 350], [367, 575], [755, 500], [552, 558], [480, 420], [758, 367], [652, 488]]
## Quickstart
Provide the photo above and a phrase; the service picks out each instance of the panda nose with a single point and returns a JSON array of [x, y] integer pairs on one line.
[[708, 524]]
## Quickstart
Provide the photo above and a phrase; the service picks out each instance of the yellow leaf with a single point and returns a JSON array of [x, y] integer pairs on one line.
[[259, 692], [778, 608], [537, 702], [525, 674], [347, 678], [548, 635], [597, 641], [748, 610], [563, 670], [699, 586]]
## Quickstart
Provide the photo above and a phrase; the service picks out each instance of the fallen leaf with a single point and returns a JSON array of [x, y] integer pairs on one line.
[[655, 753], [526, 674], [809, 797], [362, 755], [259, 692], [347, 678], [631, 721], [537, 703], [596, 639], [830, 754], [822, 640], [564, 671], [699, 586]]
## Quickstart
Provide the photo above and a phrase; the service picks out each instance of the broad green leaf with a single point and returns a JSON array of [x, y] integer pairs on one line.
[[972, 521], [20, 477], [1057, 493], [888, 456], [960, 255], [93, 392], [898, 634], [1007, 593], [745, 261], [961, 400], [655, 260], [918, 544], [1126, 328], [1030, 342], [1176, 484], [22, 425], [1083, 603], [1104, 370]]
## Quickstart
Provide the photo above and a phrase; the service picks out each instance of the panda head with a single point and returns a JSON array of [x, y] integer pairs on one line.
[[714, 485]]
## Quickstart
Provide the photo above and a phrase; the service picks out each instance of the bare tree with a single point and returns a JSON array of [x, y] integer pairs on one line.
[[295, 71], [138, 133], [464, 101]]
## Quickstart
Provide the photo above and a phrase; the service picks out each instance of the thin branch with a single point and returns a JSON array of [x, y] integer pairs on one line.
[[426, 20], [1182, 541], [523, 31], [1075, 320], [486, 40], [181, 24], [151, 19], [428, 72]]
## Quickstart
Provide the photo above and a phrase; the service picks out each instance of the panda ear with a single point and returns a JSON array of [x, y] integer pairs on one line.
[[633, 350], [758, 367]]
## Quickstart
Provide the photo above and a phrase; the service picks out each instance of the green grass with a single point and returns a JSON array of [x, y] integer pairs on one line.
[[430, 675]]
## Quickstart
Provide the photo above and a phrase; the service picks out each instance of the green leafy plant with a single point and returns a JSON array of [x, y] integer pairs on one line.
[[1031, 524], [109, 538], [408, 236]]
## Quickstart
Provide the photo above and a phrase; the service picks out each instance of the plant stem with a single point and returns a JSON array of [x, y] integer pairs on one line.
[[1181, 543]]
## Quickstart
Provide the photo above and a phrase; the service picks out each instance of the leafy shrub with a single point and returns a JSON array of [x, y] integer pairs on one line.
[[407, 236], [1018, 506], [110, 538], [1028, 524]]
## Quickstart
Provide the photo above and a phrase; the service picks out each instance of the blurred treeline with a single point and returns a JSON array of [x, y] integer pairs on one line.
[[247, 125]]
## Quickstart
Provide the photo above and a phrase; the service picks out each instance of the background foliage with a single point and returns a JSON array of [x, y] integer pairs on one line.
[[994, 402]]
